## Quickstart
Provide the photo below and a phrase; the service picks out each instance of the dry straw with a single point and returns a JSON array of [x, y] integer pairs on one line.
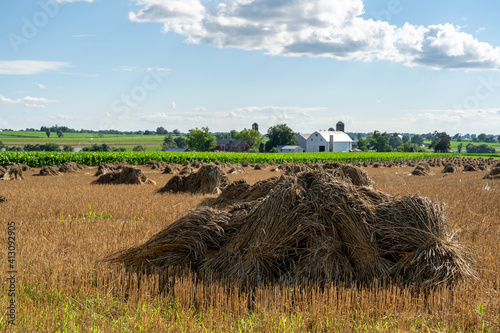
[[14, 172], [209, 179], [126, 175], [71, 167], [422, 169], [494, 173], [313, 226], [49, 171], [111, 167]]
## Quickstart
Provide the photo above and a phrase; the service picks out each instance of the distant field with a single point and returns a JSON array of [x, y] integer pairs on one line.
[[454, 144], [21, 138]]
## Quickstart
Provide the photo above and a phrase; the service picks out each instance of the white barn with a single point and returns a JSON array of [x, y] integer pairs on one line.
[[325, 141]]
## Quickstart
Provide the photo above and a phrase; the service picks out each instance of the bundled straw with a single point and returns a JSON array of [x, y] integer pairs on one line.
[[314, 226], [126, 175], [206, 181], [111, 167], [449, 168], [14, 172], [49, 171], [71, 167], [494, 173], [422, 169]]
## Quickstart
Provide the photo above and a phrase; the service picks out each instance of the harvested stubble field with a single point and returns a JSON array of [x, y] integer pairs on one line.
[[66, 226]]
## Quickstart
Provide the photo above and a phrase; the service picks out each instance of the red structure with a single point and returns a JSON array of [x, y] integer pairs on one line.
[[232, 145]]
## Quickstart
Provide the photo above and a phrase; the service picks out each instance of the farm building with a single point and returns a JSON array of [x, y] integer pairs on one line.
[[232, 145], [290, 149], [325, 141]]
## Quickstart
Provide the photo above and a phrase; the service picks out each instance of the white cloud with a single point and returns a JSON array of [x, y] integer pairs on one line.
[[158, 69], [172, 105], [267, 109], [199, 108], [41, 86], [29, 67], [81, 74], [29, 99], [318, 28], [127, 68], [480, 29], [29, 102], [41, 106], [463, 121], [6, 100]]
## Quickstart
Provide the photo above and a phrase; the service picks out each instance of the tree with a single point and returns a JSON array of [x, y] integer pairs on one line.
[[457, 136], [362, 145], [482, 137], [95, 147], [408, 147], [459, 147], [47, 132], [180, 142], [201, 139], [139, 148], [161, 131], [395, 142], [280, 135], [176, 132], [251, 137], [148, 132], [379, 141], [68, 148], [60, 134], [481, 149], [406, 138], [441, 142], [168, 142], [233, 134], [417, 139], [490, 139], [221, 136]]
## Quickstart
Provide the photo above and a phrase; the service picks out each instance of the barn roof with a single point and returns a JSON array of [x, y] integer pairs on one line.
[[337, 136]]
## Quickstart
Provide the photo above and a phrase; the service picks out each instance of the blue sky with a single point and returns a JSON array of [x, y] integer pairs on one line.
[[392, 65]]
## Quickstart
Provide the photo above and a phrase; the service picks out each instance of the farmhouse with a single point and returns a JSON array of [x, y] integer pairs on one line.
[[232, 145], [326, 141]]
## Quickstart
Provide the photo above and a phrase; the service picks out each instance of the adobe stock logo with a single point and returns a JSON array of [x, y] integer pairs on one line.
[[484, 90], [31, 27]]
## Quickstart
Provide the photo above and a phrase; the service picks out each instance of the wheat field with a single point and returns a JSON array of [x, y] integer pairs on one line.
[[65, 227]]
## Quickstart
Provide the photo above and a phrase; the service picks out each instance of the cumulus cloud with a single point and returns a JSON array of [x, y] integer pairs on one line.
[[41, 106], [318, 28], [29, 67], [6, 100], [463, 121], [29, 99]]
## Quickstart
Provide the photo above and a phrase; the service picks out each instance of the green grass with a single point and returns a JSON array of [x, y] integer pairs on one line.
[[84, 138], [454, 144], [38, 159]]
